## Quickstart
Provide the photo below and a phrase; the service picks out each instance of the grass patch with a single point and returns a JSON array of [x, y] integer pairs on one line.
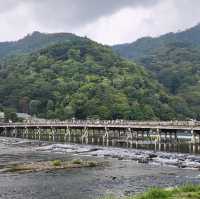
[[81, 162], [185, 192], [155, 193], [50, 165], [17, 168]]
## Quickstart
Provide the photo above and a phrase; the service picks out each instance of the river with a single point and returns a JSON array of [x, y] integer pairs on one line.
[[126, 171]]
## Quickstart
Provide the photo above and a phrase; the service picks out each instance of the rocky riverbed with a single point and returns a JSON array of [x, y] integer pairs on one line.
[[128, 171], [140, 156]]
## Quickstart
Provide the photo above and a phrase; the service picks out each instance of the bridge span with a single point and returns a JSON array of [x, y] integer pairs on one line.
[[98, 131]]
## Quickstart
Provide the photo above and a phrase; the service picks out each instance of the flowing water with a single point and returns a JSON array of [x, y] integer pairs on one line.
[[126, 172]]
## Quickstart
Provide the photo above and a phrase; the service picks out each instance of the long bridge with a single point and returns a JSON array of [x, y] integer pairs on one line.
[[98, 131]]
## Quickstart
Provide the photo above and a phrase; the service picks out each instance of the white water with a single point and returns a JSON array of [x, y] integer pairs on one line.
[[142, 156]]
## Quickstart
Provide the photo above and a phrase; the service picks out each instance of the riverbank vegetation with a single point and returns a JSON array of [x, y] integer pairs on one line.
[[184, 192], [50, 165]]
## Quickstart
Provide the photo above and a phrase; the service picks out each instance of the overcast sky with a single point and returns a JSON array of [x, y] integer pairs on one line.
[[106, 21]]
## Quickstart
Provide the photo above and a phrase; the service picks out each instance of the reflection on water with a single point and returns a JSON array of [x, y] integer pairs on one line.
[[166, 147], [178, 147]]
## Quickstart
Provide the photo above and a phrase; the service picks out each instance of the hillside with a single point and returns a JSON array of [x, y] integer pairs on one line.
[[174, 60], [81, 78], [177, 67], [34, 42], [146, 45]]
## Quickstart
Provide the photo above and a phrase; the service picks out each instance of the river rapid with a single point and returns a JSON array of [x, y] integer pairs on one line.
[[126, 172]]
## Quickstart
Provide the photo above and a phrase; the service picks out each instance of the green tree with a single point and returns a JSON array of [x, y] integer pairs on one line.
[[34, 106], [10, 115]]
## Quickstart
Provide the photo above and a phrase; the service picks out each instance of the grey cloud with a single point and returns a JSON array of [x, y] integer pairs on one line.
[[8, 5], [70, 13], [19, 17]]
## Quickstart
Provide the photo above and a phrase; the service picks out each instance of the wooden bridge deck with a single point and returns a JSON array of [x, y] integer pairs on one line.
[[106, 130], [179, 125]]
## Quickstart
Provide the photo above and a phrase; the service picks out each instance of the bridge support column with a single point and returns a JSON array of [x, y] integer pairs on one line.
[[198, 137], [52, 134], [38, 133], [193, 139], [67, 134], [129, 137], [171, 137], [165, 146], [175, 137], [85, 135], [25, 133], [5, 132], [93, 133], [106, 137], [158, 135], [14, 132]]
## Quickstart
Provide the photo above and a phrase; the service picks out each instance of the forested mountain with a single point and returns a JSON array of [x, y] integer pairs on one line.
[[144, 46], [34, 42], [174, 60], [81, 78], [177, 67]]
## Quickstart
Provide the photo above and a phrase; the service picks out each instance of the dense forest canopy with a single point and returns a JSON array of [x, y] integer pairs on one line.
[[174, 60], [177, 67], [65, 76], [83, 79]]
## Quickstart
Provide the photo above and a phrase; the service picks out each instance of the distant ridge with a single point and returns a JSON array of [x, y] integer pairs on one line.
[[146, 45], [33, 42]]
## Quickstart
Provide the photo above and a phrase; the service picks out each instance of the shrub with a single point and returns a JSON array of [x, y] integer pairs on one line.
[[92, 164], [77, 161], [56, 163]]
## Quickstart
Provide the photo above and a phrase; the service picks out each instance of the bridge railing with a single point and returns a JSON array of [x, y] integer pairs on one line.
[[107, 122]]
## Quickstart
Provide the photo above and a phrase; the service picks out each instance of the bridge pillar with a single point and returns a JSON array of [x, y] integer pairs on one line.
[[175, 136], [198, 137], [52, 134], [193, 139], [92, 136], [106, 137], [14, 132], [170, 137], [67, 134], [5, 132], [136, 135], [129, 137], [158, 135], [38, 133], [85, 135], [165, 146], [165, 137], [24, 132]]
